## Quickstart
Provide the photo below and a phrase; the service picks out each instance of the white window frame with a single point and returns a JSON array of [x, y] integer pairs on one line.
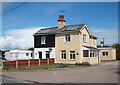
[[67, 38], [106, 54], [72, 55], [43, 39], [63, 55], [84, 38], [93, 52]]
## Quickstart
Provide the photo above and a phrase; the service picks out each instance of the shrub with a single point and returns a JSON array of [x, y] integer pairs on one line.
[[78, 63], [5, 66], [85, 63], [63, 66]]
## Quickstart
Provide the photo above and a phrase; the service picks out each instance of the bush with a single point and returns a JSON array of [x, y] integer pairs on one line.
[[78, 63], [63, 66], [85, 63], [5, 66]]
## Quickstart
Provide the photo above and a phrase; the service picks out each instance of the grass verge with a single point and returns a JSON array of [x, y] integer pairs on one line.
[[32, 68]]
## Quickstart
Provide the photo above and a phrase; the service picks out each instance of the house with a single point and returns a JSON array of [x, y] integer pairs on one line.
[[2, 54], [18, 55], [68, 44], [107, 53]]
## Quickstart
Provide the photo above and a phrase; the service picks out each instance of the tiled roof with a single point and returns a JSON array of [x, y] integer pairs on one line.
[[53, 30]]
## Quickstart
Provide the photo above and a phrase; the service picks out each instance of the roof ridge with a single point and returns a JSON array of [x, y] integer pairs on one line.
[[48, 28], [65, 26], [75, 25]]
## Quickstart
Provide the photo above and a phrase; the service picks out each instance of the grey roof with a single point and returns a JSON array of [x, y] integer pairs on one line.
[[54, 30]]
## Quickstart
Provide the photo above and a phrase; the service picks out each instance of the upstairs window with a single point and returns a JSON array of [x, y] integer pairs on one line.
[[84, 38], [63, 54], [67, 37], [43, 39], [105, 53], [72, 55]]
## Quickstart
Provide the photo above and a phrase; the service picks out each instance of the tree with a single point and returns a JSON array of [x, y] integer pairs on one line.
[[31, 48]]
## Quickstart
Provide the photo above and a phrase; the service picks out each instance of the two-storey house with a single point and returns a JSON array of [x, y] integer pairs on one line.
[[68, 44]]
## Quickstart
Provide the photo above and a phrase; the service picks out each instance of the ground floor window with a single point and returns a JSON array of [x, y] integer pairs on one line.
[[85, 53], [93, 53], [105, 53], [72, 54], [47, 54], [63, 54]]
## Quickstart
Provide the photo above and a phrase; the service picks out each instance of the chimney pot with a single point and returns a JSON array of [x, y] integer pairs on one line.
[[61, 17]]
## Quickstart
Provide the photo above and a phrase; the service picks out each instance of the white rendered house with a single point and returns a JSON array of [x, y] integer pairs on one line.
[[18, 55]]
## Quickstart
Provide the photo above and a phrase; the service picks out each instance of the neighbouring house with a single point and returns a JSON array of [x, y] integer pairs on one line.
[[2, 54], [18, 55], [68, 44], [107, 53]]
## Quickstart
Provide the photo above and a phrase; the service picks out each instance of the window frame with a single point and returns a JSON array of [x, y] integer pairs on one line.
[[73, 55], [43, 40], [63, 55], [85, 56], [93, 53], [47, 53], [67, 38], [106, 53], [84, 38], [27, 54]]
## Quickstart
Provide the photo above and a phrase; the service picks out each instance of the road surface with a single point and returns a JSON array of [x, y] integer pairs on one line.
[[106, 72]]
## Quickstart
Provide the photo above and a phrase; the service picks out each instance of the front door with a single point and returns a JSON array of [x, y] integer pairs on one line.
[[40, 55]]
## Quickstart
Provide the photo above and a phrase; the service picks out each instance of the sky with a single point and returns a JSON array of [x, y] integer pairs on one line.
[[21, 23]]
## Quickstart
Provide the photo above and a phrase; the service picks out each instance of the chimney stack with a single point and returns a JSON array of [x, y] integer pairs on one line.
[[61, 21]]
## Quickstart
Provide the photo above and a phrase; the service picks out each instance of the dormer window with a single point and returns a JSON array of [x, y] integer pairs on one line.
[[67, 37], [84, 38], [43, 39]]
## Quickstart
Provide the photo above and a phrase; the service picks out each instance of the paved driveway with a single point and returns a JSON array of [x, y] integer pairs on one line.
[[102, 73]]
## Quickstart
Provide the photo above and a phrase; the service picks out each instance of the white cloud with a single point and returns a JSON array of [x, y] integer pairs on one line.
[[110, 35], [18, 38]]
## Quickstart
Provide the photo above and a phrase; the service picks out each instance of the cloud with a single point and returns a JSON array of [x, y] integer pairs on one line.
[[110, 35], [23, 39], [18, 38]]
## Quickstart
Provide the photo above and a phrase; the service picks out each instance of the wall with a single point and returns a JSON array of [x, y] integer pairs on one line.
[[43, 50], [93, 42], [61, 44], [50, 41], [111, 54], [90, 60], [17, 56], [90, 41], [75, 45]]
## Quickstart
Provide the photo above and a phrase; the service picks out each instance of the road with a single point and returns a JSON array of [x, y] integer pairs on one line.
[[102, 73]]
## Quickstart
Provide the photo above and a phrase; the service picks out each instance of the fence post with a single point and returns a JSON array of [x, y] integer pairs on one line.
[[28, 62], [16, 63], [39, 62], [48, 61]]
